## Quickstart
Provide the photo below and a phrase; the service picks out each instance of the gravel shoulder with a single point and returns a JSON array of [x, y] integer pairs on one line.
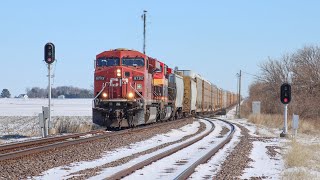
[[256, 156]]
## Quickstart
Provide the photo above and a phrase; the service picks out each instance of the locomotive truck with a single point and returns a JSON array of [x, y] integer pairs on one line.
[[132, 89]]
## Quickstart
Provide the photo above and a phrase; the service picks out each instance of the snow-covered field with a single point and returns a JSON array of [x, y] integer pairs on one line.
[[19, 117], [32, 107]]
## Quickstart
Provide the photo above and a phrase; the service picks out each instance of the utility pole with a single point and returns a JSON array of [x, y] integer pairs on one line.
[[237, 108], [144, 16], [239, 98]]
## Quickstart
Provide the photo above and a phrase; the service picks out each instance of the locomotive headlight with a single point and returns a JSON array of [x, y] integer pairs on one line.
[[130, 95], [119, 72], [104, 95]]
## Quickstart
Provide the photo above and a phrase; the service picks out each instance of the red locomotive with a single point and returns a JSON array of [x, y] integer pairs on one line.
[[131, 89]]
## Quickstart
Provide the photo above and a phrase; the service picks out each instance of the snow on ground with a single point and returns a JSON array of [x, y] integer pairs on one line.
[[263, 165], [32, 107], [210, 169], [64, 172], [309, 145], [107, 172], [173, 165], [19, 117]]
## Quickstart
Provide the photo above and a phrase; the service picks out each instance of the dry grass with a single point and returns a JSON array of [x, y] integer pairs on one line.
[[302, 158], [276, 121], [297, 175], [68, 125], [298, 156], [269, 120], [245, 109]]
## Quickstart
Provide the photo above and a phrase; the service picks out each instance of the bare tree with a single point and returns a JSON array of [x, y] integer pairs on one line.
[[302, 69]]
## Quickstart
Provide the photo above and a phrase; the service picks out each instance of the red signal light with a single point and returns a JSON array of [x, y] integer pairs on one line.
[[285, 93]]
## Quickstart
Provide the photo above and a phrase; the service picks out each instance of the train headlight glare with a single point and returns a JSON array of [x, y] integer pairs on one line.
[[130, 95], [104, 95], [118, 70], [118, 74]]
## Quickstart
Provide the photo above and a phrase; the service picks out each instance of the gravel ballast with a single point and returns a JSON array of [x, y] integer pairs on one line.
[[238, 159], [84, 174], [33, 165]]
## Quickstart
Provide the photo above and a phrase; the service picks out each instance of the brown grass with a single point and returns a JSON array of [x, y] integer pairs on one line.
[[296, 175], [67, 125], [276, 121], [299, 155], [245, 109]]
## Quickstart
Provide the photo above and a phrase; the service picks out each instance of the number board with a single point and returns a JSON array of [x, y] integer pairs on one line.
[[138, 78], [99, 78]]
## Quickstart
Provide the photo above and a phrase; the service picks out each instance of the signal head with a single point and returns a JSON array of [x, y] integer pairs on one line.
[[285, 93], [49, 53]]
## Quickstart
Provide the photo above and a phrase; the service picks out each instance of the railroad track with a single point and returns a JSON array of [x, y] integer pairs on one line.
[[191, 167], [17, 150], [185, 174]]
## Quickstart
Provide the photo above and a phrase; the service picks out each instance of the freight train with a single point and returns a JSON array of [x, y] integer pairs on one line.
[[133, 89]]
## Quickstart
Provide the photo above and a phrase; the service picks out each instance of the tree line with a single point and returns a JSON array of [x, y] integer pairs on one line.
[[5, 93], [67, 91], [302, 70]]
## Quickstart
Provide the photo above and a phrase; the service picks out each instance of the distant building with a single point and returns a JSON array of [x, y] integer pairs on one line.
[[61, 97], [23, 96]]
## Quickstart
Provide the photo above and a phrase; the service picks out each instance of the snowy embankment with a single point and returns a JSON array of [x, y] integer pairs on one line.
[[19, 117], [266, 155]]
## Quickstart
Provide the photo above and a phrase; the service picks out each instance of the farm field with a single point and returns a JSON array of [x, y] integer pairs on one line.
[[32, 107], [19, 117]]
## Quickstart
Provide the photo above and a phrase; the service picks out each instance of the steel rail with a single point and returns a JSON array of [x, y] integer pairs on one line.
[[44, 140], [157, 157], [186, 173], [34, 150]]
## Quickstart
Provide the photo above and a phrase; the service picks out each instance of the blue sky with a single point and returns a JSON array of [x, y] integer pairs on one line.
[[214, 38]]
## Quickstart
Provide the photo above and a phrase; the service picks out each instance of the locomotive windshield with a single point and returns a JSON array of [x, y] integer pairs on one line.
[[132, 61], [108, 62]]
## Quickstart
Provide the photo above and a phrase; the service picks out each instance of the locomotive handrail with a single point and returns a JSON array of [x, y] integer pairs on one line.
[[103, 87], [137, 92]]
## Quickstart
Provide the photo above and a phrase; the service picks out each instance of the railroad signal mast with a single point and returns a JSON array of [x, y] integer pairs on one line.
[[49, 58], [285, 97]]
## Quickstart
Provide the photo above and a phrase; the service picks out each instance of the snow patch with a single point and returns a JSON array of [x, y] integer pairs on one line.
[[171, 166], [63, 172], [263, 165], [213, 166]]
